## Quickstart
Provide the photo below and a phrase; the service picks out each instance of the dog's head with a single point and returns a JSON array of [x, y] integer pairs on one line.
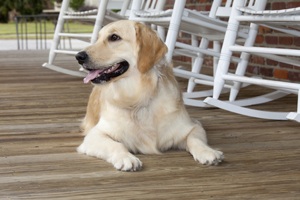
[[122, 47]]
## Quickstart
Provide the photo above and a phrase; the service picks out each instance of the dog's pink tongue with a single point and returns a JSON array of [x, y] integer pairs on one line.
[[91, 75]]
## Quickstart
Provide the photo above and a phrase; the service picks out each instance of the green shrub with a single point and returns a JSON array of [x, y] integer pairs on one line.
[[24, 7], [76, 4], [5, 7]]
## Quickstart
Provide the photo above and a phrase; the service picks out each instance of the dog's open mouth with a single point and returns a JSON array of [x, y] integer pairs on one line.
[[103, 75]]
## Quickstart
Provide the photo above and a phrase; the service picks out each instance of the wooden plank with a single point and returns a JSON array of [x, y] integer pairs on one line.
[[40, 113]]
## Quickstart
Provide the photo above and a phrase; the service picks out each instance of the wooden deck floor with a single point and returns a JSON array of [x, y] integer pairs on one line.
[[40, 112]]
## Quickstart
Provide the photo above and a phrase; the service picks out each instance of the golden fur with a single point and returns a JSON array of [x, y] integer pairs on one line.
[[140, 111]]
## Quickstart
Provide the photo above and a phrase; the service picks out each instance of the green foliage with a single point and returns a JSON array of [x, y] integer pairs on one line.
[[24, 7], [29, 7], [76, 4], [5, 7]]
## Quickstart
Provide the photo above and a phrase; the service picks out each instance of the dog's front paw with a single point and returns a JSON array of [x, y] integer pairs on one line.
[[208, 156], [127, 162]]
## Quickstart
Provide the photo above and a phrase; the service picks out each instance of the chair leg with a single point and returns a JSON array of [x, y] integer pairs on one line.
[[295, 115], [241, 68], [197, 65], [216, 48], [226, 53], [174, 27], [58, 29], [99, 20]]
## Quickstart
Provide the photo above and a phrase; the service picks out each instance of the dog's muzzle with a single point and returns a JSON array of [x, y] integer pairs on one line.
[[98, 75], [82, 57]]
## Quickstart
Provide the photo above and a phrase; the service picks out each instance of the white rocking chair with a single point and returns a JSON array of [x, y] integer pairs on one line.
[[280, 20], [205, 25], [100, 16]]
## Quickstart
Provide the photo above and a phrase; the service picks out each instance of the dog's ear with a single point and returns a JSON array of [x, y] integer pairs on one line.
[[149, 46]]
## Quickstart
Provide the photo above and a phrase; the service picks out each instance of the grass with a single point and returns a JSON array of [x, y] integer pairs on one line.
[[8, 31]]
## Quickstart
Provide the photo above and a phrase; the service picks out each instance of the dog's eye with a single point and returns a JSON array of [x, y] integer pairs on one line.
[[114, 37]]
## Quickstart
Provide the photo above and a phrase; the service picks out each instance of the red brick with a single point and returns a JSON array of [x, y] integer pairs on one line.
[[203, 1], [297, 42], [208, 7], [259, 39], [278, 5], [268, 72], [253, 70], [184, 35], [232, 67], [281, 73], [195, 1], [264, 30], [183, 59], [293, 4], [190, 2], [210, 45], [271, 62], [192, 6], [201, 8], [286, 66], [297, 68], [294, 76], [271, 40], [286, 40], [184, 40], [208, 62], [257, 60], [268, 6]]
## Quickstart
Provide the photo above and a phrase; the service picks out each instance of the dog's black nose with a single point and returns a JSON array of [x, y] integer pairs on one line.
[[81, 57]]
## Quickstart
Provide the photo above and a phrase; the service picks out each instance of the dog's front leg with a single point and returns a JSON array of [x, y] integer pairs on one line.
[[99, 144], [197, 146]]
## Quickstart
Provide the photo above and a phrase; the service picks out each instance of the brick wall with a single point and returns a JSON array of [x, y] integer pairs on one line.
[[266, 37]]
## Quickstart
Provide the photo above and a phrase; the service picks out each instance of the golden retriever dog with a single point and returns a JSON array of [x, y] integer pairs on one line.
[[136, 105]]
